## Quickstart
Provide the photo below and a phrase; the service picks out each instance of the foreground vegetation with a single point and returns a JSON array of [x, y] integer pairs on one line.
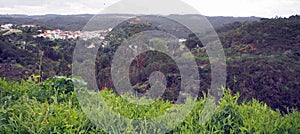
[[51, 106]]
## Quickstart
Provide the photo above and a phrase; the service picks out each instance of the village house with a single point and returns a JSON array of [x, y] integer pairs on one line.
[[182, 40], [7, 26], [28, 25], [138, 20], [59, 34]]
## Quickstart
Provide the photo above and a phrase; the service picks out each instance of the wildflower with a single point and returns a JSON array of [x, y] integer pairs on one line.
[[75, 117], [41, 113], [103, 88], [243, 49], [253, 48], [66, 122], [45, 122]]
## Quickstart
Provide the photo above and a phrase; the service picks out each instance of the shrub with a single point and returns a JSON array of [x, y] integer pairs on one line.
[[52, 107]]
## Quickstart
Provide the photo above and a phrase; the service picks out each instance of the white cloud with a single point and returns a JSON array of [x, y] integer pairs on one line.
[[37, 7], [151, 7], [261, 8]]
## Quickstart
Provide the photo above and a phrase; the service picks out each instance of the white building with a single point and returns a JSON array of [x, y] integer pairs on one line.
[[182, 40], [28, 25], [7, 26]]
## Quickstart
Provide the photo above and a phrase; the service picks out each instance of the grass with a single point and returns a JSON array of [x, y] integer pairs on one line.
[[52, 107]]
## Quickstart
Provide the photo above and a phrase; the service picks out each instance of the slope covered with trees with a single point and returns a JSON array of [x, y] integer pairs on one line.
[[262, 59]]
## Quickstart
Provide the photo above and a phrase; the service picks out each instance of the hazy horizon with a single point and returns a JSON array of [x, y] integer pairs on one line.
[[126, 14], [143, 14], [213, 8]]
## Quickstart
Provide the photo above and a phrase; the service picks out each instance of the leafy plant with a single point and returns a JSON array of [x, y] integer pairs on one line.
[[52, 107]]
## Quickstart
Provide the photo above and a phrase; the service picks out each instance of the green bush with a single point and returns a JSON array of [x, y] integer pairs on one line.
[[52, 107]]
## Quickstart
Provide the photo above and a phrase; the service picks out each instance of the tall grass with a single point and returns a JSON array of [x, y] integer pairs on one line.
[[52, 107]]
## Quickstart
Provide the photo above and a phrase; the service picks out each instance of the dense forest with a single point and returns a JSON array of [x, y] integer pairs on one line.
[[262, 60], [262, 56]]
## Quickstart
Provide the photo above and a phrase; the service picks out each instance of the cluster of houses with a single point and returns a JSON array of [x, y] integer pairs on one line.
[[8, 29], [6, 26], [10, 26], [58, 34], [74, 35]]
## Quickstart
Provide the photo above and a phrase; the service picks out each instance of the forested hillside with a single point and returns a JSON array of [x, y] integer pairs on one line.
[[262, 58]]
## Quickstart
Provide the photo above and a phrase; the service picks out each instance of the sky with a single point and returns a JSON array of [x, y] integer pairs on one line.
[[237, 8]]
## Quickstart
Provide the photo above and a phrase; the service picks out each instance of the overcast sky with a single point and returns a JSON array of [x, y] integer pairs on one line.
[[259, 8]]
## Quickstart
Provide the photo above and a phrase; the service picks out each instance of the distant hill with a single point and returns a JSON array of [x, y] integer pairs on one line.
[[217, 21], [77, 22]]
